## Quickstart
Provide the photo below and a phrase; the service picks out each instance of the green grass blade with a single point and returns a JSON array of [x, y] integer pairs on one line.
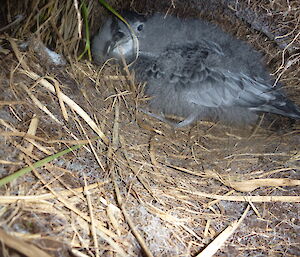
[[87, 47], [108, 7], [38, 164]]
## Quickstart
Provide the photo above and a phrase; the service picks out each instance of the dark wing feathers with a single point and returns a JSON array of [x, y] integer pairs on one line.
[[189, 74], [198, 83]]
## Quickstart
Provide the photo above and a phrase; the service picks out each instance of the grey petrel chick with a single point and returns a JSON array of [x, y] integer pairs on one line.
[[193, 69]]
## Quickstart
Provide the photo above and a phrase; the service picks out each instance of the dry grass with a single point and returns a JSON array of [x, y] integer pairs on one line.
[[143, 188]]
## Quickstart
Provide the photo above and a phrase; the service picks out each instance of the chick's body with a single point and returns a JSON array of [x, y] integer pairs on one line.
[[193, 69]]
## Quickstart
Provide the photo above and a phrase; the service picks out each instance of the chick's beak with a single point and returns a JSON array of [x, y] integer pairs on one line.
[[122, 46]]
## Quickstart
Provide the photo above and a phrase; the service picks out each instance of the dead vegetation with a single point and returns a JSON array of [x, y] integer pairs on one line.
[[141, 187]]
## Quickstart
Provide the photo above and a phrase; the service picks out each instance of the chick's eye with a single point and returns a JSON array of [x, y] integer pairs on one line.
[[140, 27]]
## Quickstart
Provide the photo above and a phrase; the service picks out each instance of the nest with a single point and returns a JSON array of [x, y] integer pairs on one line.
[[136, 186]]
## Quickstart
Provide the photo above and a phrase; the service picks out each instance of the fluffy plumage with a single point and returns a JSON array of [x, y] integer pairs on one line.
[[193, 69]]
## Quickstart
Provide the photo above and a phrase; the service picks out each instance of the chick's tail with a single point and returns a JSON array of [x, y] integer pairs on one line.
[[282, 106]]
